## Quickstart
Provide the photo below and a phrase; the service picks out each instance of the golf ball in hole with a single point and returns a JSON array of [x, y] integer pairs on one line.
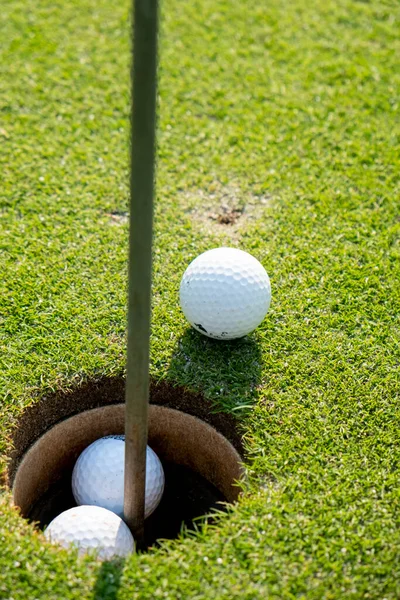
[[91, 528], [225, 293], [98, 476]]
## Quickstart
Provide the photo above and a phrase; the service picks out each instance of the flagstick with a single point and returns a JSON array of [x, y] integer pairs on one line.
[[144, 85]]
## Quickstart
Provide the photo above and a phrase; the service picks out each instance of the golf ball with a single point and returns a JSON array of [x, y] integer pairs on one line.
[[98, 476], [91, 528], [225, 293]]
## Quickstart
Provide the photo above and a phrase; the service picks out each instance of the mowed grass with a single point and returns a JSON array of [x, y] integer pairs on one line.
[[296, 103]]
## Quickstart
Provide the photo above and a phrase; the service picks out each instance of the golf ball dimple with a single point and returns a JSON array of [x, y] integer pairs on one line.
[[98, 476], [91, 528], [225, 293]]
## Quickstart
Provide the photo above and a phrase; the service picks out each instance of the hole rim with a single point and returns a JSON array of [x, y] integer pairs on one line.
[[225, 476]]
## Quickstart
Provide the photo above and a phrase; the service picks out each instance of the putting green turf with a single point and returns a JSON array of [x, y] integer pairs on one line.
[[291, 107]]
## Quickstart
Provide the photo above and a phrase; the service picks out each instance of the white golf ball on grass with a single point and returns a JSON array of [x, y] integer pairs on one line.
[[225, 293]]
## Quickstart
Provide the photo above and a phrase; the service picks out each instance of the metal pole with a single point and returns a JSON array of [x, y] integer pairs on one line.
[[144, 86]]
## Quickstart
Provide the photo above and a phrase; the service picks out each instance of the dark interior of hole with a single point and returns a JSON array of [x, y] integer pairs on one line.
[[187, 496]]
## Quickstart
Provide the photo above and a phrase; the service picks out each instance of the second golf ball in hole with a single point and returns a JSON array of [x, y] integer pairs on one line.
[[98, 476]]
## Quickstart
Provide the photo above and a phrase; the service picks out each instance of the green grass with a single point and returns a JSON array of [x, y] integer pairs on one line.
[[293, 101]]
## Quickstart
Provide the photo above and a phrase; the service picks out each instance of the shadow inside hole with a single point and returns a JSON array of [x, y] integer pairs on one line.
[[187, 497], [229, 371]]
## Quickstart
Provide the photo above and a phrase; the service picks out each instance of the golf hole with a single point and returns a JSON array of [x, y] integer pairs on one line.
[[202, 467]]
